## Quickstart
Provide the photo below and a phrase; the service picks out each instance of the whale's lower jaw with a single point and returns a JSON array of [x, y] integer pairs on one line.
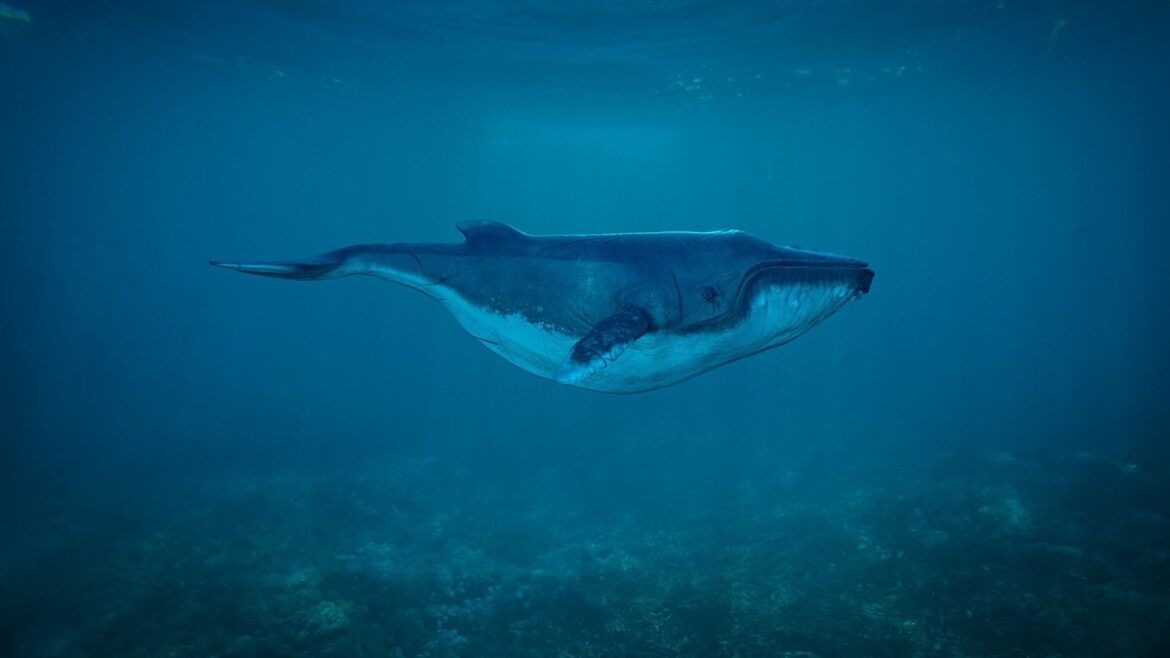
[[659, 359]]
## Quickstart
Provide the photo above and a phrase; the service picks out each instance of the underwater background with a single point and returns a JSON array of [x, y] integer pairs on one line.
[[970, 461]]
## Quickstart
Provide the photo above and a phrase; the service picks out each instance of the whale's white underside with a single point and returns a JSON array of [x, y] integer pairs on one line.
[[777, 315]]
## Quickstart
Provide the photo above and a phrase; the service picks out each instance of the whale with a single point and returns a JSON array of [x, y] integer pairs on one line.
[[615, 313]]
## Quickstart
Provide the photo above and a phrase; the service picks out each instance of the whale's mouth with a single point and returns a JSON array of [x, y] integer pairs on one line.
[[811, 267]]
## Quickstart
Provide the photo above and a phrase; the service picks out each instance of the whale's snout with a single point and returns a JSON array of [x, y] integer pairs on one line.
[[864, 280], [841, 269], [855, 270]]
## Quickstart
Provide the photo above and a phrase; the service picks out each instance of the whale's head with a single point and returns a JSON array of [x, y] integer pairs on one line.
[[759, 295]]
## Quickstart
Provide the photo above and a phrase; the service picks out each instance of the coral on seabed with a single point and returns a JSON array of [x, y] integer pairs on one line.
[[423, 559]]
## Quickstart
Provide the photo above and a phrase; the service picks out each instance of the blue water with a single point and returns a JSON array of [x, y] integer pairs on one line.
[[969, 461]]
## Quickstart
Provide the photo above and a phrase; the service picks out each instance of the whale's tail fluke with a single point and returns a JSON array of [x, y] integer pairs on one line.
[[393, 262], [326, 266]]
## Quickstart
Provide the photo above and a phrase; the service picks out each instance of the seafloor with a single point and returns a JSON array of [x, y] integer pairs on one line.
[[963, 555]]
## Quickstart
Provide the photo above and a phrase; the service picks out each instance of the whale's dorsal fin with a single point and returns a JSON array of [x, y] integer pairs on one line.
[[603, 344], [479, 230]]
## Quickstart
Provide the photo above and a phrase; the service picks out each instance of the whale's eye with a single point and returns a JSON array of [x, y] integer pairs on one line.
[[710, 294]]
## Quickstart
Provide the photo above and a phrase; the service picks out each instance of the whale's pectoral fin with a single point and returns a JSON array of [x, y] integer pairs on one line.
[[603, 344]]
